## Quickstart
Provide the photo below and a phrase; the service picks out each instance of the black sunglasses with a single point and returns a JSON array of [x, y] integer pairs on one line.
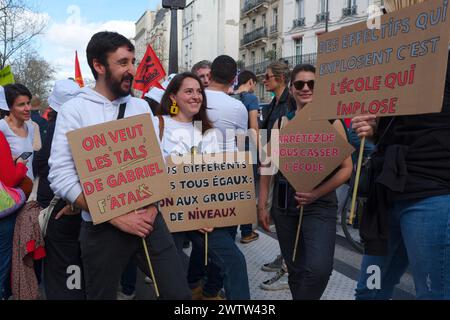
[[299, 85]]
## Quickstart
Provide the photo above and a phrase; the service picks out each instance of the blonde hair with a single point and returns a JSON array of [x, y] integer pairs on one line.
[[394, 5], [279, 70]]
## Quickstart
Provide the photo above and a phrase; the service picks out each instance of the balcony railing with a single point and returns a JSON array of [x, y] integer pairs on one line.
[[322, 17], [274, 28], [349, 11], [310, 58], [255, 35], [252, 4], [299, 22], [260, 68]]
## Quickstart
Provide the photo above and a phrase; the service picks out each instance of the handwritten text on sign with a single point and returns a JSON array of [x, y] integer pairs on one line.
[[119, 164], [209, 194], [309, 151], [385, 71]]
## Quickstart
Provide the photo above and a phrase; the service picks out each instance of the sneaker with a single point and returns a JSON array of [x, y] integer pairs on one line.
[[273, 266], [278, 282], [219, 296], [148, 280], [122, 296], [250, 238], [197, 293]]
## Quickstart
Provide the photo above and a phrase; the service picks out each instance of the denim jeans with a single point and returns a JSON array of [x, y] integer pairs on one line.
[[197, 271], [223, 252], [6, 241], [246, 230], [419, 238]]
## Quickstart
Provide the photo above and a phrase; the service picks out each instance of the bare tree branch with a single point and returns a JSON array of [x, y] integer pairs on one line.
[[19, 25], [33, 72]]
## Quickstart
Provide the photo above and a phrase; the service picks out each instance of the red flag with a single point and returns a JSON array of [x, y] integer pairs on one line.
[[149, 72], [78, 76]]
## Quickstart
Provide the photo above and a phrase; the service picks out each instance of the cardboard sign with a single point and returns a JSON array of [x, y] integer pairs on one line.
[[120, 166], [398, 69], [149, 72], [309, 151], [210, 193]]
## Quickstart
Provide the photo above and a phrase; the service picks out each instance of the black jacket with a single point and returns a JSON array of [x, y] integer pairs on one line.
[[276, 110], [412, 162], [41, 168]]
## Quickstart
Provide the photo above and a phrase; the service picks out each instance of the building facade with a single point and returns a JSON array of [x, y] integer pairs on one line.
[[288, 30], [143, 28], [260, 35], [305, 20], [209, 28], [159, 36]]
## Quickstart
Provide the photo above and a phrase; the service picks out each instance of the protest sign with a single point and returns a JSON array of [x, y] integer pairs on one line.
[[309, 151], [120, 166], [397, 69], [149, 72], [210, 193]]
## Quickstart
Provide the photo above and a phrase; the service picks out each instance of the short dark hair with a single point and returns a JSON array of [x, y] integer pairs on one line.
[[204, 64], [103, 43], [223, 70], [305, 67], [13, 91], [174, 87], [245, 76]]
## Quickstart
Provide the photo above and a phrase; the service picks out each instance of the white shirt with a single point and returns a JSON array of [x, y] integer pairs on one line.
[[229, 116], [20, 145], [180, 137]]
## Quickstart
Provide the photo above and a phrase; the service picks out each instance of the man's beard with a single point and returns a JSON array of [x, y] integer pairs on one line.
[[116, 86]]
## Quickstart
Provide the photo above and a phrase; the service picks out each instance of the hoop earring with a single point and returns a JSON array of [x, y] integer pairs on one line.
[[174, 109]]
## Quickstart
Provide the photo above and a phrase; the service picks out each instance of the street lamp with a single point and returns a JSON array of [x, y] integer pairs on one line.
[[326, 17], [174, 6]]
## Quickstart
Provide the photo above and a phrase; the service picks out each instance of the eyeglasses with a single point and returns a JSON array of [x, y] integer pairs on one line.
[[267, 77], [299, 85]]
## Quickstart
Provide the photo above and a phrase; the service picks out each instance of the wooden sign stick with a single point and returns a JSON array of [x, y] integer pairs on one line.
[[358, 174], [150, 267], [298, 233]]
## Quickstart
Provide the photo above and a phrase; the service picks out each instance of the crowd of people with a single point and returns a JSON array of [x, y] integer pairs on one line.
[[405, 224]]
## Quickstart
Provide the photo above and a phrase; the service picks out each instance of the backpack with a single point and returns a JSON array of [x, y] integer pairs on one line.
[[11, 199]]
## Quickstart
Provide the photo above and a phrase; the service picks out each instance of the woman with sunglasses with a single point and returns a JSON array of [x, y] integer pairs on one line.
[[309, 274]]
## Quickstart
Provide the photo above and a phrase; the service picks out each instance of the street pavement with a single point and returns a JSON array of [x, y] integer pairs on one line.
[[341, 286]]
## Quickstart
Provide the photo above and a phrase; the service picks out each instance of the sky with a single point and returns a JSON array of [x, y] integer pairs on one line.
[[71, 24]]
